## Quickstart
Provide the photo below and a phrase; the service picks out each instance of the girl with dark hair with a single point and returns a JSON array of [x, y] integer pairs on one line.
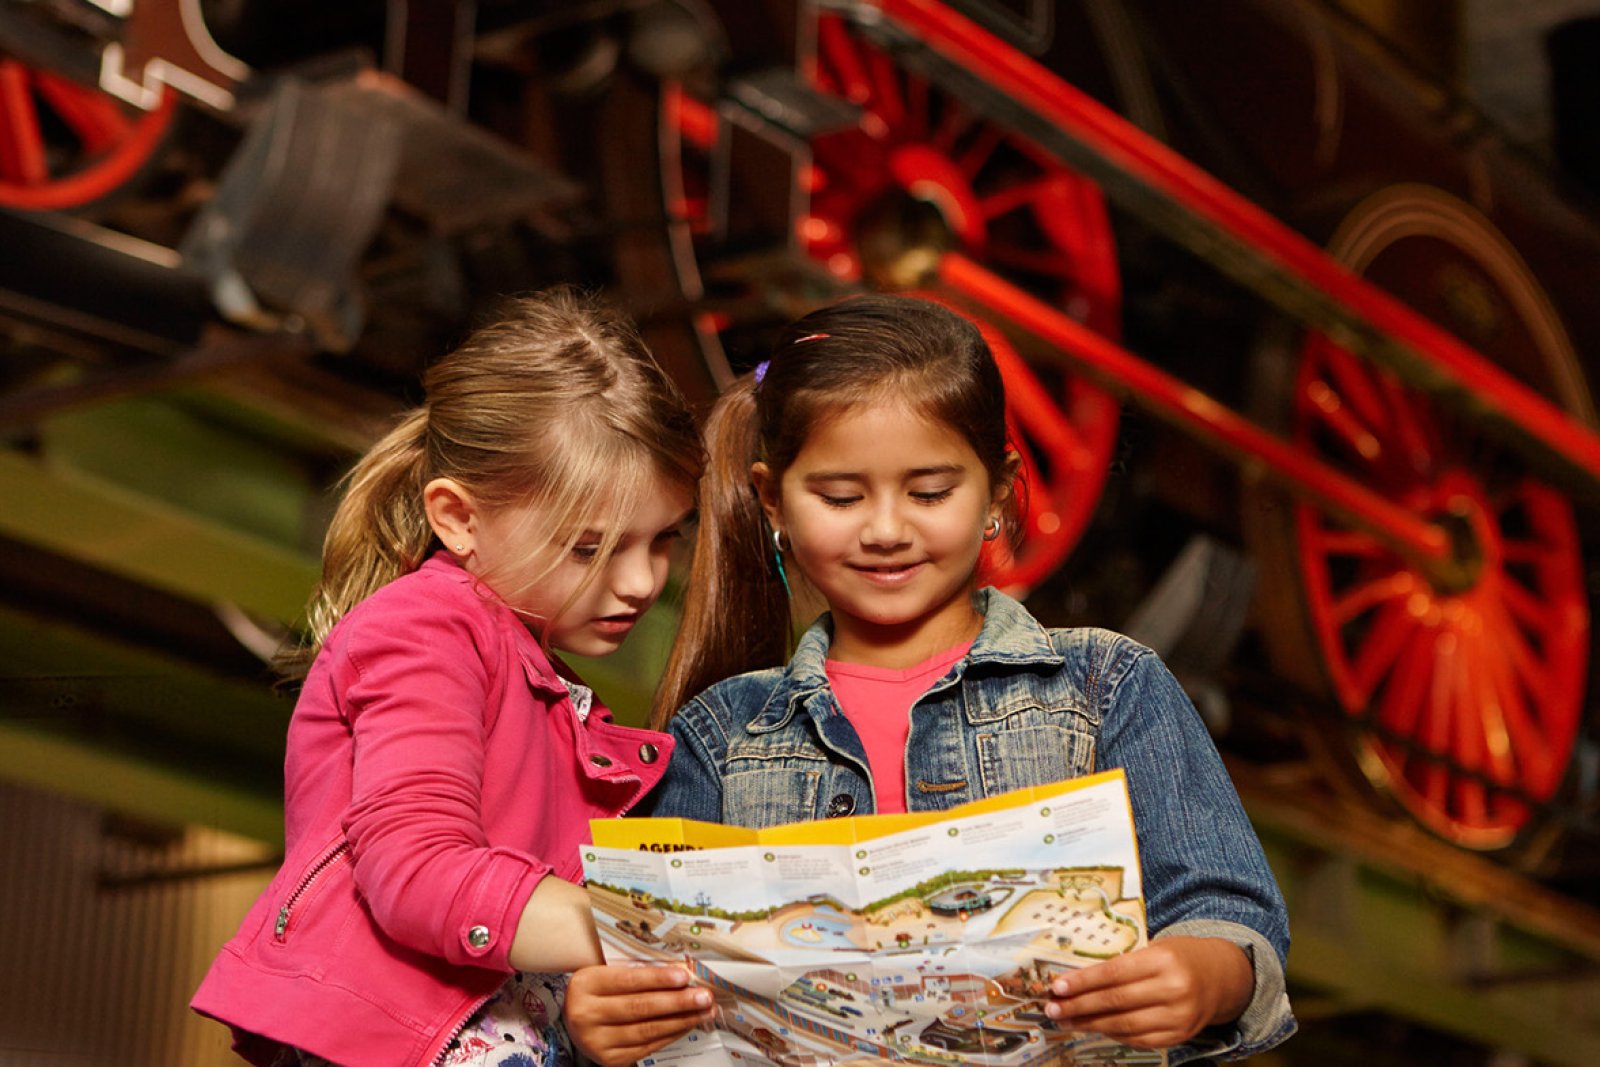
[[869, 459]]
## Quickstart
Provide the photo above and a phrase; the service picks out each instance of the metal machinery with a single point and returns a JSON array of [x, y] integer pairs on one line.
[[1298, 348]]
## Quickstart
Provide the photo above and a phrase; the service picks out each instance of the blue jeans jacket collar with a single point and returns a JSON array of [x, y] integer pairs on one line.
[[1010, 636]]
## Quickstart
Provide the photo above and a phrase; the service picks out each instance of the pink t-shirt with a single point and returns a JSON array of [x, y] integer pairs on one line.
[[877, 701]]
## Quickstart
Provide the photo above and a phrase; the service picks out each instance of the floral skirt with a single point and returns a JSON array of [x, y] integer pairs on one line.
[[520, 1026]]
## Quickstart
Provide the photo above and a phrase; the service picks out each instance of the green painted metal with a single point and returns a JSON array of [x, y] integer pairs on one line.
[[97, 521], [1387, 919], [172, 453], [137, 731], [116, 782]]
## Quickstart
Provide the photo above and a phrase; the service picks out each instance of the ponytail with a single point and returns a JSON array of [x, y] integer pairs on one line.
[[736, 609], [379, 532]]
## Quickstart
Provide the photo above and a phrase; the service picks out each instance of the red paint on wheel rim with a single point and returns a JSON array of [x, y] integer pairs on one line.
[[63, 145]]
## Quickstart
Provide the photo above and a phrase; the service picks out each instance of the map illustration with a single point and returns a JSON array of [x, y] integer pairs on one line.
[[917, 939]]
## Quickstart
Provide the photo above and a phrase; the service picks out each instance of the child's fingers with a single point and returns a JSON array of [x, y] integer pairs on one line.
[[609, 981], [617, 1014], [646, 1007], [1149, 1010], [643, 1038], [618, 1045], [1101, 1003], [1108, 975], [1152, 1027]]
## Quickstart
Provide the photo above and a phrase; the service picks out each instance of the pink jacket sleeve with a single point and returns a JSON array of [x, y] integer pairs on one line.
[[416, 696]]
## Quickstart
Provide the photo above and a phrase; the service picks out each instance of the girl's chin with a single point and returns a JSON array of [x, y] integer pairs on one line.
[[590, 645]]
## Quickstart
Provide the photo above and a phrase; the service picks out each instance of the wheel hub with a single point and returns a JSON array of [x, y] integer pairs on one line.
[[901, 240], [1463, 519]]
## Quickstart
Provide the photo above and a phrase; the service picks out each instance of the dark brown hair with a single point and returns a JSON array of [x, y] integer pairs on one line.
[[864, 350]]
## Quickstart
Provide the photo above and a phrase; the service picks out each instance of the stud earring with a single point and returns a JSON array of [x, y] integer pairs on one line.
[[991, 529], [461, 548]]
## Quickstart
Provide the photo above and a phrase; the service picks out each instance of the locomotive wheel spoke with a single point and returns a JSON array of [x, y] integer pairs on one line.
[[847, 74], [1352, 382], [1008, 199], [980, 149], [1515, 675], [98, 123], [1389, 637], [22, 158], [1342, 421], [63, 145], [1361, 598], [1489, 680], [1413, 430], [1400, 709], [1352, 544]]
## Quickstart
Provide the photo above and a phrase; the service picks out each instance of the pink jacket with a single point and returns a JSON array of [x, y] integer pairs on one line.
[[436, 771]]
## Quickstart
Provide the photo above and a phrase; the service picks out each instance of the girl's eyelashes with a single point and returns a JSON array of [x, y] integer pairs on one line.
[[921, 496], [589, 551], [681, 530]]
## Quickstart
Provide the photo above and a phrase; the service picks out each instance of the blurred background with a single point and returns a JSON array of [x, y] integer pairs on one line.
[[1298, 303]]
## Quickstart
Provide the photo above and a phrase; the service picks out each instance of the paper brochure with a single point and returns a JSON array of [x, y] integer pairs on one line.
[[923, 939]]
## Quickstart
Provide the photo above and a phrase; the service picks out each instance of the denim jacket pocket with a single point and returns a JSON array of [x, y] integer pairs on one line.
[[770, 795], [1024, 751]]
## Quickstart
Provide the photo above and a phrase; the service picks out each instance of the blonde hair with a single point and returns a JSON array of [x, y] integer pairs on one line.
[[557, 401]]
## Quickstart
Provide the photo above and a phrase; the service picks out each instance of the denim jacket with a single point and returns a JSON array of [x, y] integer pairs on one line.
[[1026, 706]]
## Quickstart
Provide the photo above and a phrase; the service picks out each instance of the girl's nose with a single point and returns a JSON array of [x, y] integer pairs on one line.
[[884, 527], [633, 576]]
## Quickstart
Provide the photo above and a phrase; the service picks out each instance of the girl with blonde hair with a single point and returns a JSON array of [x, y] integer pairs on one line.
[[443, 762]]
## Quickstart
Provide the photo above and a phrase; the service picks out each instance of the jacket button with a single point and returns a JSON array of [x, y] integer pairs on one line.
[[841, 805], [478, 937], [647, 752], [600, 761]]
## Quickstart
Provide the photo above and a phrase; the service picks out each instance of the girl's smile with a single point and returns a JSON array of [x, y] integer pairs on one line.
[[889, 574]]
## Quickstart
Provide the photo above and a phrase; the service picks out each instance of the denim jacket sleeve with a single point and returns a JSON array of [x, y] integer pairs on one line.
[[1204, 871]]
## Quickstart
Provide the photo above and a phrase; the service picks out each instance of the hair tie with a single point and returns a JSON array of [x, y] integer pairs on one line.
[[812, 337], [761, 370]]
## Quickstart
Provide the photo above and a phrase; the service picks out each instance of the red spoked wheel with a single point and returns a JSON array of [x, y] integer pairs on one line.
[[995, 197], [1003, 202], [63, 146], [1463, 685], [1468, 687]]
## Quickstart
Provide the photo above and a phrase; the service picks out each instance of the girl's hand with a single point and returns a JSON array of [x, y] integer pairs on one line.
[[1159, 995], [617, 1014]]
